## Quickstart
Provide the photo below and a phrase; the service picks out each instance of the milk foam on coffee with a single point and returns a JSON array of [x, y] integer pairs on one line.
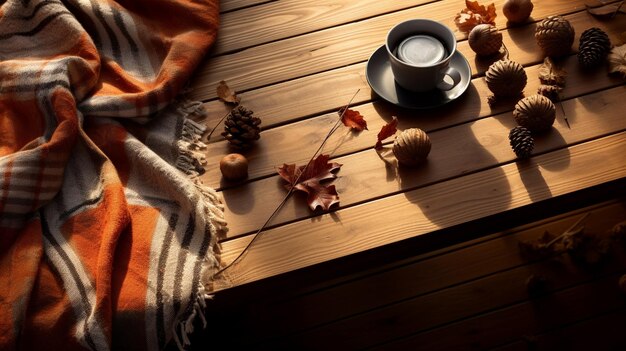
[[421, 50]]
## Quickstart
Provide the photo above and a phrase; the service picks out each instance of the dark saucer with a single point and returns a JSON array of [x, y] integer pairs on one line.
[[380, 78]]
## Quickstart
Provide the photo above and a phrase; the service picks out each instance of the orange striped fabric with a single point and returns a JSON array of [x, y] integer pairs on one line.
[[106, 240]]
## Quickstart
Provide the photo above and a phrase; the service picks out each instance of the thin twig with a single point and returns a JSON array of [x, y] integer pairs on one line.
[[563, 110], [291, 189], [568, 231], [208, 138]]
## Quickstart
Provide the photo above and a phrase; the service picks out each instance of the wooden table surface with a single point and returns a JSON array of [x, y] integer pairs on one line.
[[296, 63]]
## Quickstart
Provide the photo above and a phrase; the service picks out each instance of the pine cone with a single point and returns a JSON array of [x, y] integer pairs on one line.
[[535, 112], [594, 46], [241, 128], [506, 78], [485, 40], [521, 141], [555, 36]]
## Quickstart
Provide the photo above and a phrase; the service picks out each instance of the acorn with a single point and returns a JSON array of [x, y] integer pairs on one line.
[[517, 11], [411, 147], [234, 167], [485, 39]]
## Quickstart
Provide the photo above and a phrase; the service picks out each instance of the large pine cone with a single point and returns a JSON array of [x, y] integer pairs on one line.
[[594, 46], [521, 141], [555, 36], [241, 128], [506, 78], [536, 112]]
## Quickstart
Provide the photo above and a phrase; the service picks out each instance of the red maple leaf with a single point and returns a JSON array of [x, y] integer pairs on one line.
[[318, 170], [386, 131], [352, 119]]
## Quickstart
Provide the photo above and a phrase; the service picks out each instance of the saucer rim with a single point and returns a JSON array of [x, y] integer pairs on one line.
[[416, 107]]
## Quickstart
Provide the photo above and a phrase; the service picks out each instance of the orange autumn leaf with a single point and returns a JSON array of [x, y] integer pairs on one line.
[[386, 131], [475, 14], [226, 94], [352, 119], [310, 180]]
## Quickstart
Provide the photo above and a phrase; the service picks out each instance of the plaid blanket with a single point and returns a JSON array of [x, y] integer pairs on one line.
[[106, 241]]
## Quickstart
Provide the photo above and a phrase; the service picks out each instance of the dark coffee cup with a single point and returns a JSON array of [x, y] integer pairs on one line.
[[419, 51]]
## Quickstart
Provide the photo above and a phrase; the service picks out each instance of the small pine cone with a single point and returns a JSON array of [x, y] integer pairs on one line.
[[521, 141], [506, 78], [594, 46], [535, 112], [241, 128], [555, 36]]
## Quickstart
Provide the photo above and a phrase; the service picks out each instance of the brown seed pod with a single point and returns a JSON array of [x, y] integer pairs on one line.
[[506, 78], [536, 112], [485, 39], [517, 11], [234, 167], [555, 36], [411, 147]]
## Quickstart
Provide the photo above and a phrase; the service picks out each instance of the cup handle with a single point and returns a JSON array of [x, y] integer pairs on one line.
[[456, 78]]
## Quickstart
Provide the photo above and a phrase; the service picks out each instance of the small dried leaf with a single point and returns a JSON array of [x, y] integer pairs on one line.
[[617, 60], [353, 119], [226, 94], [606, 11], [386, 131], [622, 284], [538, 247], [551, 74], [550, 91], [310, 181], [475, 14]]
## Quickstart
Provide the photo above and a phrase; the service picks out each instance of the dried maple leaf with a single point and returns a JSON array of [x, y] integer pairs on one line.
[[551, 74], [606, 11], [226, 94], [352, 119], [386, 131], [475, 14], [617, 60], [319, 170]]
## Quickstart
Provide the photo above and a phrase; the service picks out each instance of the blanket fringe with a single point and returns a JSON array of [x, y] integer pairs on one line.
[[191, 160]]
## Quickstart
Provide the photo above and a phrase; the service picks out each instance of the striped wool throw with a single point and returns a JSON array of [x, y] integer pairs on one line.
[[106, 242]]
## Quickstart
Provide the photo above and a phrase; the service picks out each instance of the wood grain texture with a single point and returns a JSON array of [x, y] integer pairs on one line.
[[412, 280], [296, 142], [421, 211], [456, 151], [283, 19], [515, 322], [348, 44], [329, 90]]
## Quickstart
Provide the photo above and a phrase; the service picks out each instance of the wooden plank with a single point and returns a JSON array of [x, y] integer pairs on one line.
[[231, 5], [442, 307], [456, 151], [311, 95], [283, 19], [414, 213], [276, 319], [296, 142], [519, 320], [351, 43], [605, 332]]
